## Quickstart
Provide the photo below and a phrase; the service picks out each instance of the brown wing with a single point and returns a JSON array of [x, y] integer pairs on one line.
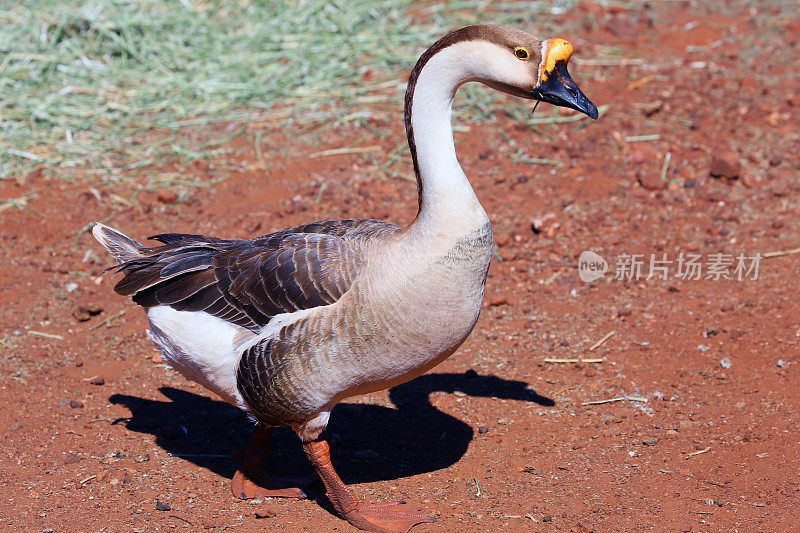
[[249, 282]]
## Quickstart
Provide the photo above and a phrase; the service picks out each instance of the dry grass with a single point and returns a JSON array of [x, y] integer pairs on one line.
[[99, 90]]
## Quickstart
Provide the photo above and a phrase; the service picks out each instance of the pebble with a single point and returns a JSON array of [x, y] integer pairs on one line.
[[781, 363], [74, 404], [725, 363], [483, 429], [82, 313], [265, 513], [165, 196], [725, 165], [71, 459], [161, 506], [539, 224], [652, 441], [651, 108], [498, 301], [651, 181], [71, 287], [97, 380]]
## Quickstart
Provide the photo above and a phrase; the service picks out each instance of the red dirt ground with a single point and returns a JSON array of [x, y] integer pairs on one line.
[[714, 448]]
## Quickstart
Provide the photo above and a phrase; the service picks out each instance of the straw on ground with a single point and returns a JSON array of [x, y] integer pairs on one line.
[[103, 89]]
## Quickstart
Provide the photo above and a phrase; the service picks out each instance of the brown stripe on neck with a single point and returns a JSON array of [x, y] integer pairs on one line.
[[468, 33]]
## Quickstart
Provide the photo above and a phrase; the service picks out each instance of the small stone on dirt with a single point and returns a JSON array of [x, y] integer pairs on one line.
[[725, 363], [781, 363], [582, 527], [651, 108], [82, 313], [265, 513], [725, 165], [652, 441], [650, 181], [161, 506], [165, 196], [97, 380], [498, 300], [71, 459], [483, 429]]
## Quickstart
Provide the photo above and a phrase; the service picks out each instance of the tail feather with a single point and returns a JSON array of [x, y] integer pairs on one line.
[[122, 247]]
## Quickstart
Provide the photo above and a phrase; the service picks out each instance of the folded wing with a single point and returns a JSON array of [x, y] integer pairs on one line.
[[249, 282]]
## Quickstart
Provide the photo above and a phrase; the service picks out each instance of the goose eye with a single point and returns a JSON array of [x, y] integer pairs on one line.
[[521, 53]]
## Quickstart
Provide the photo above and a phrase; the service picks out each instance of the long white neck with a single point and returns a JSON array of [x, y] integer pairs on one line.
[[447, 202]]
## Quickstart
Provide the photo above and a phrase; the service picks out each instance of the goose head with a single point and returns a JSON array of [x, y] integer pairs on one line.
[[515, 62]]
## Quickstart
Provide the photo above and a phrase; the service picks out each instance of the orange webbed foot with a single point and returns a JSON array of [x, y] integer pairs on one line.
[[385, 518], [258, 483], [253, 480]]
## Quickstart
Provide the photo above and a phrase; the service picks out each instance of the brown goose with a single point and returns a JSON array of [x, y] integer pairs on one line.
[[289, 324]]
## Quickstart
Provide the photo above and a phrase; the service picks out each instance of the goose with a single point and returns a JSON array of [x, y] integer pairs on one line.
[[287, 325]]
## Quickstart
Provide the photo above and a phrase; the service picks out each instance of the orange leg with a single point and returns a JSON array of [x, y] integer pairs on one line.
[[384, 518], [252, 480]]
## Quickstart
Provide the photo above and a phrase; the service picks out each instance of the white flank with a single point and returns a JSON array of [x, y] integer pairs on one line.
[[200, 346], [207, 349]]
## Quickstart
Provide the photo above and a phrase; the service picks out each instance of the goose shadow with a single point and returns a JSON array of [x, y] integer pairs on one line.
[[368, 442]]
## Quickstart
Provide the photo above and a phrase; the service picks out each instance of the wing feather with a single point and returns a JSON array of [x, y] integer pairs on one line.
[[248, 282]]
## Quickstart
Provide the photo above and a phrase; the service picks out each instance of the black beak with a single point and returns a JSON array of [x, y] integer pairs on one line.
[[560, 89]]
